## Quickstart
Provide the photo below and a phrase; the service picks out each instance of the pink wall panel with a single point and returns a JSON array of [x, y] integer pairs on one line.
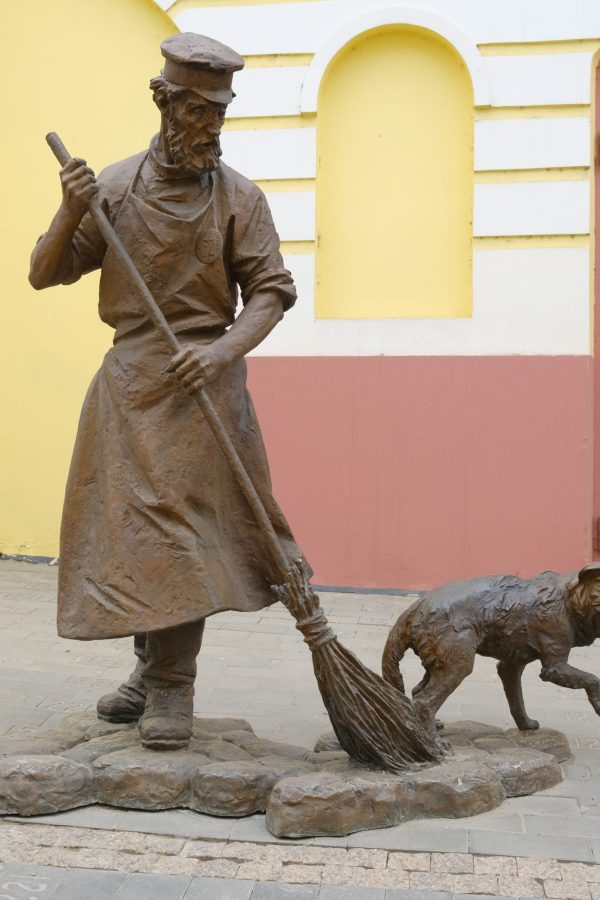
[[408, 471]]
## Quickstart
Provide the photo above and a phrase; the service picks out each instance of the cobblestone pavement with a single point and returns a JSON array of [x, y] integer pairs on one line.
[[257, 667]]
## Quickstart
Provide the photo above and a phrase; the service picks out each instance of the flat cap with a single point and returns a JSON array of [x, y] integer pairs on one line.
[[589, 572], [201, 63]]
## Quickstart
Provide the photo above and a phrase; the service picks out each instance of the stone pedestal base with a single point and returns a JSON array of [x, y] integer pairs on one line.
[[229, 771]]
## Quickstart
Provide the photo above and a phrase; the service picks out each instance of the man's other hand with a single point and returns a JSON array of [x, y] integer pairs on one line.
[[196, 365], [78, 186]]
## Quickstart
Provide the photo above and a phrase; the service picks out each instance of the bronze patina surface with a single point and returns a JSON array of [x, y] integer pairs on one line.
[[511, 619], [156, 535]]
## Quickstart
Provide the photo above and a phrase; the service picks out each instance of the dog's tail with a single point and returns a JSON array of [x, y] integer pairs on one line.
[[397, 644]]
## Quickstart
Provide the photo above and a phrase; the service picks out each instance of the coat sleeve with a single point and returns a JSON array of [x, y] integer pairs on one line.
[[255, 258], [87, 248]]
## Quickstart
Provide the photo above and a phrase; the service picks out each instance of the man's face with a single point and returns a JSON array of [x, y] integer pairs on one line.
[[192, 133]]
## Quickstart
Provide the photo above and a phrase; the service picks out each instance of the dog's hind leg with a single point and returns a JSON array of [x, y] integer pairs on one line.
[[444, 677], [510, 676]]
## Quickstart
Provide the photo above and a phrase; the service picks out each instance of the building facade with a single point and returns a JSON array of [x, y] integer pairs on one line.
[[429, 406]]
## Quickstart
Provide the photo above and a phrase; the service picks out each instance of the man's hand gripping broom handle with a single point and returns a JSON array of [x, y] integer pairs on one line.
[[203, 400]]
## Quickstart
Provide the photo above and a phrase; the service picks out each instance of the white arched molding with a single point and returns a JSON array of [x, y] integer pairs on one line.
[[370, 19]]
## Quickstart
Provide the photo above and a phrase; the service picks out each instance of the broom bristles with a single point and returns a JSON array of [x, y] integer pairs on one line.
[[374, 723]]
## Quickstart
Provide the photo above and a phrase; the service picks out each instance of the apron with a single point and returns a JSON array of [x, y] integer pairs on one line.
[[155, 531]]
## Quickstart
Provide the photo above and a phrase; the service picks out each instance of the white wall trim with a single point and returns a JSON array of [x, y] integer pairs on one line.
[[350, 28]]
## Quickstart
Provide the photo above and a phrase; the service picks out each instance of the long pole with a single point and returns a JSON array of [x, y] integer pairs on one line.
[[211, 415]]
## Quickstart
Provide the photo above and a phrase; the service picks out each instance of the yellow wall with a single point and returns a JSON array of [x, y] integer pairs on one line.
[[82, 69], [394, 181]]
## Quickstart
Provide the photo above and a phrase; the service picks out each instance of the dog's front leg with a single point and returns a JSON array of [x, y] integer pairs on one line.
[[558, 671], [510, 676]]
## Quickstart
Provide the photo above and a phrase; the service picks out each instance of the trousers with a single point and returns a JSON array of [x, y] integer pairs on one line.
[[168, 658]]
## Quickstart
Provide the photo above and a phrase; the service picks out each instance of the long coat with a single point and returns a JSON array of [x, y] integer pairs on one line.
[[155, 531]]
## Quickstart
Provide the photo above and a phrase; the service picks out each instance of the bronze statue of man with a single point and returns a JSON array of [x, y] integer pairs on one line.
[[156, 535]]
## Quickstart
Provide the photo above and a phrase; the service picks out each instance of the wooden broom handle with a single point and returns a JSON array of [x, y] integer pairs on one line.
[[211, 415]]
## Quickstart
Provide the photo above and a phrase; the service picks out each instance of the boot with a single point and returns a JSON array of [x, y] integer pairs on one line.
[[168, 718], [127, 703], [169, 675]]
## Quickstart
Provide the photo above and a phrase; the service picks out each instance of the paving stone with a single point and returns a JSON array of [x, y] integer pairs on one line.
[[219, 889], [436, 881], [579, 772], [340, 892], [411, 862], [302, 874], [542, 805], [582, 791], [495, 865], [253, 828], [264, 870], [168, 846], [520, 887], [29, 880], [443, 840], [359, 877], [93, 885], [457, 863], [565, 825], [576, 872], [140, 886], [173, 822], [567, 890], [420, 895], [538, 868], [485, 897], [567, 848], [30, 785], [270, 890]]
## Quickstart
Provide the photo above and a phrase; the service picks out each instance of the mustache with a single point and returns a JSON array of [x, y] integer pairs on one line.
[[191, 151]]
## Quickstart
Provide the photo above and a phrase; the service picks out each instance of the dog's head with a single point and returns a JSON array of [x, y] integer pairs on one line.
[[585, 594]]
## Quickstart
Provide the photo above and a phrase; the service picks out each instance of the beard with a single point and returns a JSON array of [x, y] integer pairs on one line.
[[193, 153]]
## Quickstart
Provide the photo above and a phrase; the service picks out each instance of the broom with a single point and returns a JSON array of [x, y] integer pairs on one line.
[[374, 723]]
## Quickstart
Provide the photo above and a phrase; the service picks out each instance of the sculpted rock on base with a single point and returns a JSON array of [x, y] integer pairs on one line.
[[36, 785], [144, 779], [229, 771], [524, 771]]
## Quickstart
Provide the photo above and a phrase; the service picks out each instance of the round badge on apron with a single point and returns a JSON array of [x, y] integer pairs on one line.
[[209, 245]]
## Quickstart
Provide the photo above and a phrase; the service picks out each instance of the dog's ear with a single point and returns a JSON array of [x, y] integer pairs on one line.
[[591, 572]]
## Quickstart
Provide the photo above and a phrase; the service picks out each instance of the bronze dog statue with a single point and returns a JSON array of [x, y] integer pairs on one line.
[[510, 619]]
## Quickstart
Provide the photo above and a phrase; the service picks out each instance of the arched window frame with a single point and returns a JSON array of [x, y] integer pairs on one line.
[[395, 15], [375, 20]]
